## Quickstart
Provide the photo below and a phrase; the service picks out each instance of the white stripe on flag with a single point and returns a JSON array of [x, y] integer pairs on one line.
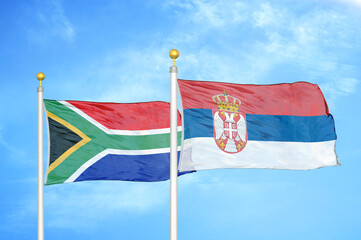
[[203, 153]]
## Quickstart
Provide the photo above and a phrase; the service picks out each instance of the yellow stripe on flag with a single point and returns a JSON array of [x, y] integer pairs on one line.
[[85, 139]]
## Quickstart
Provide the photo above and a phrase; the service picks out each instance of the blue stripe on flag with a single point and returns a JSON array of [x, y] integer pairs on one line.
[[199, 123], [139, 168]]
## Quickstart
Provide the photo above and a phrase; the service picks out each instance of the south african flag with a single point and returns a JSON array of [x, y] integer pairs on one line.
[[108, 141]]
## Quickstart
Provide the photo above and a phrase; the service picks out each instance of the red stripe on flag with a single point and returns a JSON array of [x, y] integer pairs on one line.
[[128, 116], [298, 99]]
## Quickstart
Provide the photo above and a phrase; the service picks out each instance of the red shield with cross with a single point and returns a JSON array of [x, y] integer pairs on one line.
[[229, 123], [230, 131]]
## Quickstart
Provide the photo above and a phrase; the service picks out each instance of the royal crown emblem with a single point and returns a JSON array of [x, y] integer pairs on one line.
[[230, 131]]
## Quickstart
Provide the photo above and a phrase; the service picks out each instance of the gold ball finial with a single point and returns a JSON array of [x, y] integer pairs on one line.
[[173, 54], [40, 76]]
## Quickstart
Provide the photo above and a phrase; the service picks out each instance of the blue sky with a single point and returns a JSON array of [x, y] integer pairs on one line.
[[118, 51]]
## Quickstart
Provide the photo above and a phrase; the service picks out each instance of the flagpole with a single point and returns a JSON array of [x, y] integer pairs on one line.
[[40, 76], [173, 148]]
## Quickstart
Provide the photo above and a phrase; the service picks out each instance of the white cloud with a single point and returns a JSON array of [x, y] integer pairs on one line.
[[141, 72], [52, 22], [314, 44], [352, 2], [335, 88], [306, 41], [348, 85], [231, 42], [132, 76], [211, 13], [267, 16]]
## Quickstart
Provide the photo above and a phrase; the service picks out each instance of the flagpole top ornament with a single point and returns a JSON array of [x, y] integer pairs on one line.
[[173, 54], [40, 76]]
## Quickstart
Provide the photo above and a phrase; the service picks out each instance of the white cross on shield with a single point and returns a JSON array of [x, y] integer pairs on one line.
[[230, 129]]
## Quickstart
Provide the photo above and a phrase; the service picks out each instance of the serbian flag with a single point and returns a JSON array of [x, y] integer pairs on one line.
[[108, 141], [280, 126]]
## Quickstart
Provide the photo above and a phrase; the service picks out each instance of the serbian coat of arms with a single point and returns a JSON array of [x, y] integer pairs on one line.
[[230, 130]]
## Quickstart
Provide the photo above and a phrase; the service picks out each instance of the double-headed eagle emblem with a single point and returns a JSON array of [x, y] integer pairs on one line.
[[230, 131]]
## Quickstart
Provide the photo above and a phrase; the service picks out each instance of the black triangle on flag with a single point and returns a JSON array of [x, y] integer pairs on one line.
[[61, 139]]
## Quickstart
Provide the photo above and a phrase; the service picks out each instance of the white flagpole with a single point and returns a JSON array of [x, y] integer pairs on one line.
[[173, 148], [40, 76]]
